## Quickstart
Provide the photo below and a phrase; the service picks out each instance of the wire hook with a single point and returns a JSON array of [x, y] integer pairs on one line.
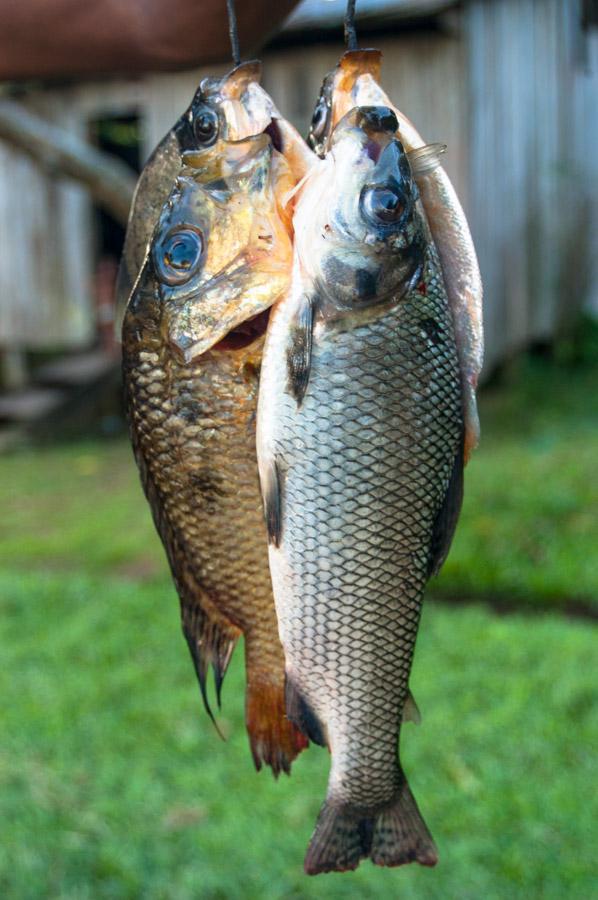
[[350, 32], [233, 33]]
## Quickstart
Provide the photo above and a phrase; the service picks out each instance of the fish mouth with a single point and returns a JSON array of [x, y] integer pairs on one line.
[[245, 334]]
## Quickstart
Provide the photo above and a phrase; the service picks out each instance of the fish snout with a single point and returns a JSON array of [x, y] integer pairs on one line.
[[388, 197], [376, 119]]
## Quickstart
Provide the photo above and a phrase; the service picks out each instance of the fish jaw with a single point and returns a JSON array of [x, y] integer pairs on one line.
[[221, 251], [199, 323]]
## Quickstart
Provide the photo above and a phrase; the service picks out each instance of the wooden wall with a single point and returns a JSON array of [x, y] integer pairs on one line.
[[46, 268], [511, 87], [533, 87]]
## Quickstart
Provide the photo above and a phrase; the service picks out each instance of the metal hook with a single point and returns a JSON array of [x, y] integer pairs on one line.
[[350, 32], [233, 33]]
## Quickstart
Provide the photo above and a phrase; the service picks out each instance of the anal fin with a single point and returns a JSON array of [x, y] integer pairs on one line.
[[301, 714], [411, 711]]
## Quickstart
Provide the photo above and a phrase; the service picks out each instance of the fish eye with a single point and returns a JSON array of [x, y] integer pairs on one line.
[[319, 119], [178, 255], [382, 205], [205, 126]]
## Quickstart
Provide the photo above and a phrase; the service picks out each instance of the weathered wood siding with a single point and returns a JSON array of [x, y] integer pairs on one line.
[[512, 89], [533, 98], [416, 69], [45, 270]]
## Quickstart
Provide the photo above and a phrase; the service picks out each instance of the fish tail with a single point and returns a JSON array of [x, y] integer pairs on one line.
[[274, 740], [400, 834], [339, 842], [393, 836]]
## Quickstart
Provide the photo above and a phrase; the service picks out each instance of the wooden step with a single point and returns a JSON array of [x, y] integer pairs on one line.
[[78, 370], [30, 405]]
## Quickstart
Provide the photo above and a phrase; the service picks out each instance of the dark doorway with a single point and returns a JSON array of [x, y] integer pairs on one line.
[[119, 136]]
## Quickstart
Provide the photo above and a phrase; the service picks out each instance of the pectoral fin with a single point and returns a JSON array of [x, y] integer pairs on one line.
[[299, 349]]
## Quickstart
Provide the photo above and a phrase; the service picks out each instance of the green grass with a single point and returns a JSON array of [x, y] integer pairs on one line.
[[527, 532], [114, 785]]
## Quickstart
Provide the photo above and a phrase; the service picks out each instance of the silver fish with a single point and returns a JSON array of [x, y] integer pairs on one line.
[[360, 451]]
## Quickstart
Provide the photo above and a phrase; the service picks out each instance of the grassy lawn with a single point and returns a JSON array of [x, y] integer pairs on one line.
[[114, 785]]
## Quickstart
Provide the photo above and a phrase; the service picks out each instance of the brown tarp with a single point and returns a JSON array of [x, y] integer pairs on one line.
[[55, 39]]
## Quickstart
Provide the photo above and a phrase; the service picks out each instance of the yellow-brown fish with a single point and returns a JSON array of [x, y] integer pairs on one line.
[[193, 331], [229, 108]]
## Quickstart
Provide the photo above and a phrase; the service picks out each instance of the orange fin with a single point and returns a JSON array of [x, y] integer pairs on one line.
[[274, 740]]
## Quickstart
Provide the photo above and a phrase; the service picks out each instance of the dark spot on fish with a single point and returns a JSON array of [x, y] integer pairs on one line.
[[422, 288], [432, 330], [258, 178], [366, 284], [272, 503], [190, 411], [300, 713], [207, 483], [273, 131], [299, 349], [337, 271], [251, 372]]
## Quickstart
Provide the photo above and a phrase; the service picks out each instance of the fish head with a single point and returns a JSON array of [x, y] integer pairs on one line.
[[229, 108], [338, 94], [359, 232], [220, 254]]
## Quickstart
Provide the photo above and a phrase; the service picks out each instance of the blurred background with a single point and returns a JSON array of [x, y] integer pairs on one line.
[[113, 783]]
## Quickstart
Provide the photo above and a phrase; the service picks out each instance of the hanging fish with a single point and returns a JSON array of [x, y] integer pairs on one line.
[[193, 333], [229, 108], [356, 82], [360, 451]]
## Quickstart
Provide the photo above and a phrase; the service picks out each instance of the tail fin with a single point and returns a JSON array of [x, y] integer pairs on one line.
[[394, 836], [274, 740], [400, 834], [338, 842]]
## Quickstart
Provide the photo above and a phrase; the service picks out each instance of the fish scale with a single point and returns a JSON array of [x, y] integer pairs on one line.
[[193, 431], [364, 465]]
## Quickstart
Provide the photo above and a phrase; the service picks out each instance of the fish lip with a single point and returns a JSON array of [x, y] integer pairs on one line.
[[216, 166]]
